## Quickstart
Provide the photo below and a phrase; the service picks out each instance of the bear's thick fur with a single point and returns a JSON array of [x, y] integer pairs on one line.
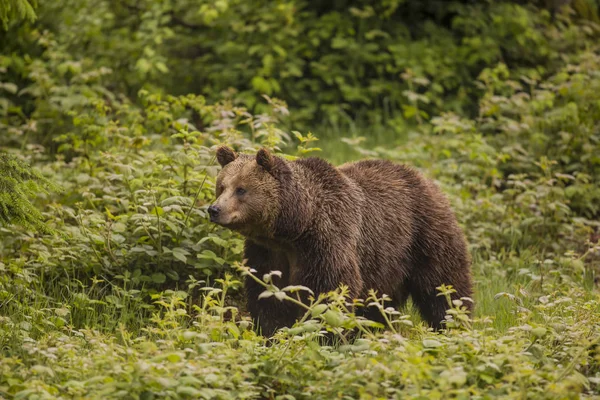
[[369, 225]]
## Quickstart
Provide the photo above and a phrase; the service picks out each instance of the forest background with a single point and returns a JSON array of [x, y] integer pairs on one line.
[[113, 283]]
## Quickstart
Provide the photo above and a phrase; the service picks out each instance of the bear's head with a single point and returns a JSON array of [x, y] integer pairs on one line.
[[248, 191]]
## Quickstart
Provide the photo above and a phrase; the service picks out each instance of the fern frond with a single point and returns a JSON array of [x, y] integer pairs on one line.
[[17, 9], [19, 183]]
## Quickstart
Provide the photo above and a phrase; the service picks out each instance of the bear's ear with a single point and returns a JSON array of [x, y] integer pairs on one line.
[[225, 155], [265, 159]]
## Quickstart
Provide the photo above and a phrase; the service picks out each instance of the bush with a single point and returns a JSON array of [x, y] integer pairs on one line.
[[343, 64]]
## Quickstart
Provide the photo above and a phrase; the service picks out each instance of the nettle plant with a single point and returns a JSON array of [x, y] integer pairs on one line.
[[334, 316], [534, 120]]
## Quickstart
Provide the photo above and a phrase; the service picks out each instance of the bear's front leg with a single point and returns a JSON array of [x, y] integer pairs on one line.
[[326, 264], [268, 314]]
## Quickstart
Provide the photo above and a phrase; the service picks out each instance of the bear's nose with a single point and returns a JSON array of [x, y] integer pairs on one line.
[[213, 211]]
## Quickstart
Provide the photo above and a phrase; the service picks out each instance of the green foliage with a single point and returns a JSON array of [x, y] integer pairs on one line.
[[17, 9], [127, 290], [135, 207], [18, 184], [338, 64]]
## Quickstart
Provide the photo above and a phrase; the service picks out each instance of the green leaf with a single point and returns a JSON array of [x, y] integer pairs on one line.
[[9, 87], [157, 211], [174, 357], [210, 255], [261, 85], [333, 318], [432, 343], [180, 254], [280, 296], [143, 66], [162, 67], [539, 332], [189, 391], [265, 295], [318, 310], [159, 277]]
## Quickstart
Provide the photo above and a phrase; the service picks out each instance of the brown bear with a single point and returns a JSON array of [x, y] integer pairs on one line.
[[370, 224]]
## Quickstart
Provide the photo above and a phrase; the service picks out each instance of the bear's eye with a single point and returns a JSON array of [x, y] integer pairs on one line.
[[221, 189], [240, 191]]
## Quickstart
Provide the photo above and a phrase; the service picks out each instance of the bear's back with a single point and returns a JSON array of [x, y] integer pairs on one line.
[[404, 215], [377, 177]]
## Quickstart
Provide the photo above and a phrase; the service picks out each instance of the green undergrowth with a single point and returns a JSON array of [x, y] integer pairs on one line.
[[128, 291]]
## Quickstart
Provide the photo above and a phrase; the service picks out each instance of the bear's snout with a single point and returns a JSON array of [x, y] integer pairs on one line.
[[214, 211]]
